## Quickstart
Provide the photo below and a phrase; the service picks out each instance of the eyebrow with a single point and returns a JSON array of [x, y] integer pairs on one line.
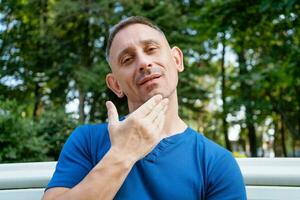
[[150, 41], [131, 49]]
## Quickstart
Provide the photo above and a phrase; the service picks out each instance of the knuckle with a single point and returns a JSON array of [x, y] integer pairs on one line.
[[135, 122], [131, 120]]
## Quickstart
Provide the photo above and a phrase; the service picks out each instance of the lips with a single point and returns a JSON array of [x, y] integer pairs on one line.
[[148, 78]]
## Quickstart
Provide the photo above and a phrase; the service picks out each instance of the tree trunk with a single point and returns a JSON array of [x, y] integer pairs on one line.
[[252, 139], [294, 147], [81, 106], [275, 144], [247, 101], [285, 120], [42, 62], [86, 60], [296, 138], [223, 87], [282, 134], [93, 110]]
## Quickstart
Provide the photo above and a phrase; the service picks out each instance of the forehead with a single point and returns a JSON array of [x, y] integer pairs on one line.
[[133, 35]]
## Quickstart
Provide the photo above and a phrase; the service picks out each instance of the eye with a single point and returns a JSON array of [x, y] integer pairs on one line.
[[151, 49], [127, 60]]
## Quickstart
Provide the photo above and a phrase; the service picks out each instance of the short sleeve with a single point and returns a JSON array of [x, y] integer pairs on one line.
[[225, 179], [74, 162]]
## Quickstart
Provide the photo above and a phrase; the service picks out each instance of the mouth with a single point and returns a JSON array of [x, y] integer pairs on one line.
[[148, 78]]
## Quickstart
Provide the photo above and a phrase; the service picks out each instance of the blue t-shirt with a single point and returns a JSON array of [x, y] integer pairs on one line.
[[184, 166]]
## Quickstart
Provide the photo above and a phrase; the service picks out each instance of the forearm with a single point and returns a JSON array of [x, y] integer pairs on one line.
[[103, 181]]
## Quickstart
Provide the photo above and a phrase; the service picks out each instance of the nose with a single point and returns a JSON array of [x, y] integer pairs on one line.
[[145, 69], [144, 64]]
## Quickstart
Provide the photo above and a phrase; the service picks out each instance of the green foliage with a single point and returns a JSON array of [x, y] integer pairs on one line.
[[26, 139], [54, 127], [53, 52], [18, 138]]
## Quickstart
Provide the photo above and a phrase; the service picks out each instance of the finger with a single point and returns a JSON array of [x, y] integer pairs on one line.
[[158, 123], [159, 117], [144, 109], [157, 110], [113, 116]]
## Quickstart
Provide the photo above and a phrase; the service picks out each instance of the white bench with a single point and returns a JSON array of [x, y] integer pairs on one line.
[[266, 179]]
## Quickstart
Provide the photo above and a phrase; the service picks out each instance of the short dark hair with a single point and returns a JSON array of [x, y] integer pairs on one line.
[[124, 23]]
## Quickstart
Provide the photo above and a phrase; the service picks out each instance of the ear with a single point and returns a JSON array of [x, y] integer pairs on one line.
[[178, 58], [113, 84]]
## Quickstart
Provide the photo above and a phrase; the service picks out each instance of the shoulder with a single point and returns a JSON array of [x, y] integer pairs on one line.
[[209, 147], [89, 131], [221, 170], [86, 138], [214, 156], [84, 148]]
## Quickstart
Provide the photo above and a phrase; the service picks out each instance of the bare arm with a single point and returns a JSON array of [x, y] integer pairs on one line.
[[131, 140], [102, 182]]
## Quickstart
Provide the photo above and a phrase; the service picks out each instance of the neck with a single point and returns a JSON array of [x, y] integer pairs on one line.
[[173, 123]]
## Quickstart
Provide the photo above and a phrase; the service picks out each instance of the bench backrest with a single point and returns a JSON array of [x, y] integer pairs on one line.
[[265, 178]]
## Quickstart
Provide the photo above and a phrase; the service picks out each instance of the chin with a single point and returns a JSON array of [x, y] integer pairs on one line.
[[151, 94]]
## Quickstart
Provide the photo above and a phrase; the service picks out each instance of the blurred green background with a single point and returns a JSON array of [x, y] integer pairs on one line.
[[240, 87]]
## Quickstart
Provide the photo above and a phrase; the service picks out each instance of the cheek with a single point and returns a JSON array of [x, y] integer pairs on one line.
[[175, 76], [171, 78], [168, 62], [126, 79]]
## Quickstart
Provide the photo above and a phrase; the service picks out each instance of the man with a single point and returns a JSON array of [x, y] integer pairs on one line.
[[152, 153]]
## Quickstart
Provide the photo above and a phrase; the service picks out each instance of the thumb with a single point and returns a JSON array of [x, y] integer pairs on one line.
[[113, 116]]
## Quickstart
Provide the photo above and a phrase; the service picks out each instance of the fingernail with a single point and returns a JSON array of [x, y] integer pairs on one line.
[[158, 97], [165, 101]]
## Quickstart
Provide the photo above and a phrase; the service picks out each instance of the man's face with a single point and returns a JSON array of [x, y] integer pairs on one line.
[[143, 64]]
